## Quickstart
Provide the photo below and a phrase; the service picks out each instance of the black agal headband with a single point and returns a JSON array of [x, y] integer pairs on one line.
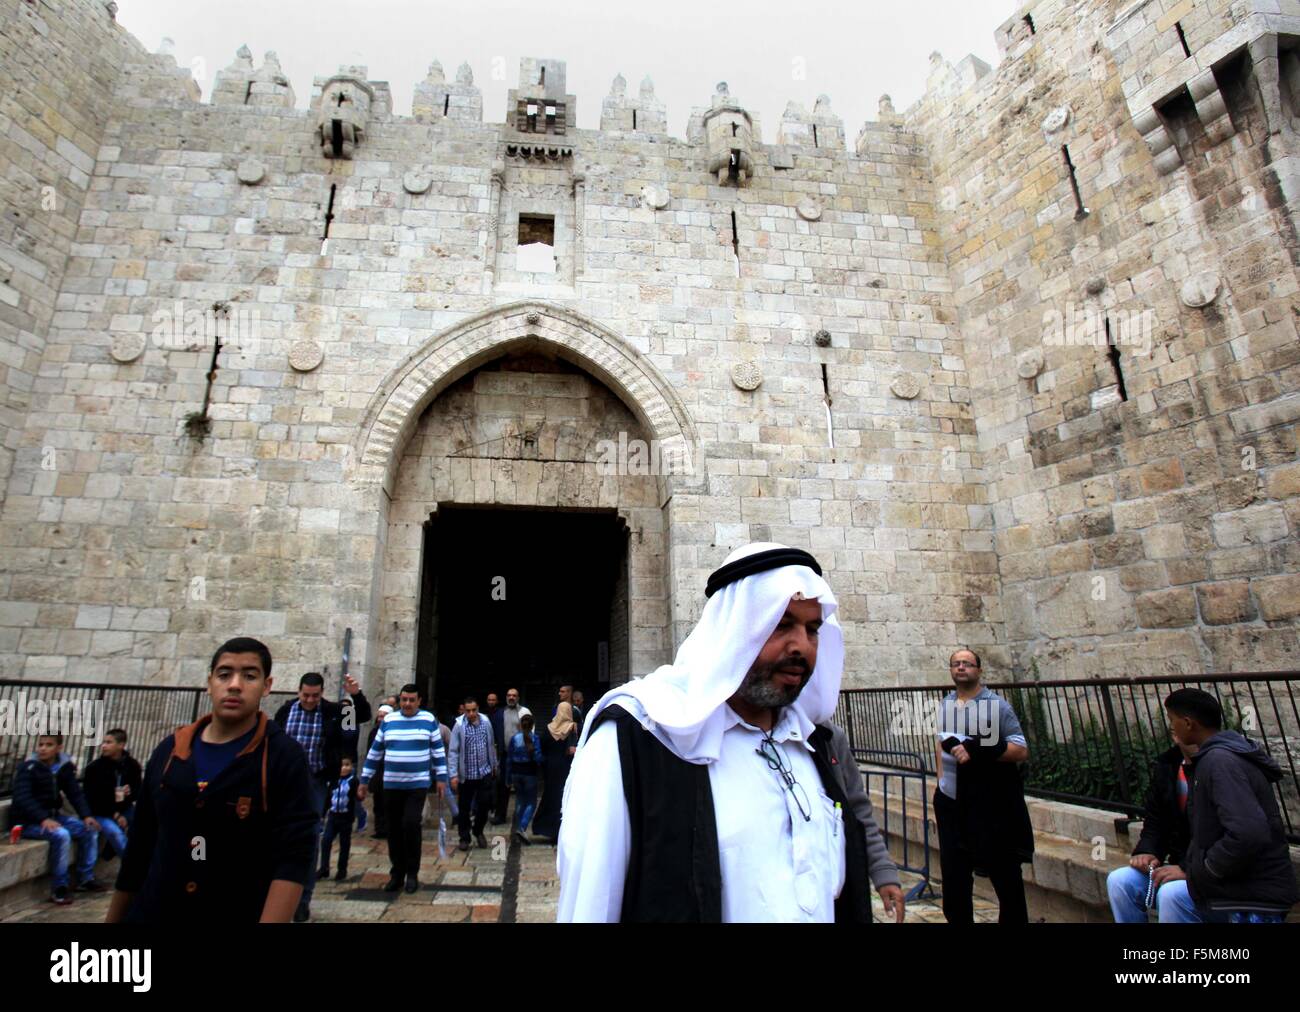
[[760, 562]]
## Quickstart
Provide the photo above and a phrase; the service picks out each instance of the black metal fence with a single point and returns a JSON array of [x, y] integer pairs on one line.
[[1093, 741], [146, 713]]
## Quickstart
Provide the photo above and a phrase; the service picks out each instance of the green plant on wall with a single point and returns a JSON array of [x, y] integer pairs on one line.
[[1085, 764]]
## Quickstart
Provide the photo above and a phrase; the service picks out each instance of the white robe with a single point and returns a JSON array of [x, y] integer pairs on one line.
[[775, 865]]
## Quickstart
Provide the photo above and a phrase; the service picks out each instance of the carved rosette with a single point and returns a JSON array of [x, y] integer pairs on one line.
[[906, 386], [746, 375], [304, 356], [127, 347]]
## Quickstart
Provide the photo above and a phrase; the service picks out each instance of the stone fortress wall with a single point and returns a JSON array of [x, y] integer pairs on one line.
[[887, 355]]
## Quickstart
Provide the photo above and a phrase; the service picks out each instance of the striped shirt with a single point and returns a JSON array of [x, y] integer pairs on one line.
[[411, 750]]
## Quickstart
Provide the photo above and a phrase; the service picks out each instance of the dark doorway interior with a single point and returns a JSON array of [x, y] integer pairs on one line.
[[522, 598]]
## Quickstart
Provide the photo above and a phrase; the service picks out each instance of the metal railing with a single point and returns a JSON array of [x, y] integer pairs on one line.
[[146, 713], [1093, 741], [867, 758]]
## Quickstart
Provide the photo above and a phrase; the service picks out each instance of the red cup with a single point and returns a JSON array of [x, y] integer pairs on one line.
[[15, 834]]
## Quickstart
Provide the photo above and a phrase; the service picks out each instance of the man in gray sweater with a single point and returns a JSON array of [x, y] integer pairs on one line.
[[880, 866]]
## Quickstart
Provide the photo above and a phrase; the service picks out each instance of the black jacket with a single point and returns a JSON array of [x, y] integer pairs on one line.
[[255, 819], [992, 817], [674, 869], [101, 779], [1165, 831], [39, 792], [332, 748], [1238, 858]]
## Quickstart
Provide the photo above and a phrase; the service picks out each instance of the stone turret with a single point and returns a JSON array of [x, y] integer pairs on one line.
[[730, 135], [539, 105]]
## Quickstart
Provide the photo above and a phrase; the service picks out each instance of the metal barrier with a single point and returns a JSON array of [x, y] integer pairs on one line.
[[147, 713], [1093, 741], [868, 755]]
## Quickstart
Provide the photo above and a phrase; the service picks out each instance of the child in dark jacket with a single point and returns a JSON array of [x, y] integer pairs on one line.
[[338, 823], [112, 783], [40, 785]]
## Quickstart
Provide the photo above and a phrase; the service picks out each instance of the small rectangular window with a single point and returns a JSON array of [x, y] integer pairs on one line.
[[536, 249]]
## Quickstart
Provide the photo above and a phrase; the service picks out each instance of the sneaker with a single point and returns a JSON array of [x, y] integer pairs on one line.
[[393, 884], [92, 886], [463, 845], [480, 841], [60, 896], [412, 883], [303, 913], [322, 873], [340, 875]]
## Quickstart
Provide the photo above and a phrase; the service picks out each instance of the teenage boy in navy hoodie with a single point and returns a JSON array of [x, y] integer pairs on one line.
[[224, 827], [1237, 867], [40, 785]]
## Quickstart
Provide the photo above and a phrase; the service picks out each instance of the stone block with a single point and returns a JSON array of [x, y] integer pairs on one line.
[[1164, 609], [1226, 602]]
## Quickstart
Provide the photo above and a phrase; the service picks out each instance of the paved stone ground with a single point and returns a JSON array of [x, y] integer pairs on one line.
[[506, 882]]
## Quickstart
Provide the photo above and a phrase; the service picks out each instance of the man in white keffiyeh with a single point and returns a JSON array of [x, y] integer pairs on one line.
[[708, 790]]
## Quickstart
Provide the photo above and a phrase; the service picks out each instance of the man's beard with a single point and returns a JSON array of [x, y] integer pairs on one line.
[[760, 688]]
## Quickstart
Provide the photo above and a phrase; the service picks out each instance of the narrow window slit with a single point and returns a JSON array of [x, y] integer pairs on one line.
[[1182, 37], [735, 243], [1079, 210], [633, 119], [446, 105], [329, 210], [248, 93], [1112, 353], [1029, 20], [830, 424], [814, 135]]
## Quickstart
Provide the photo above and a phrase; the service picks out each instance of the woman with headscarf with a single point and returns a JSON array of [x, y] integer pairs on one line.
[[558, 744]]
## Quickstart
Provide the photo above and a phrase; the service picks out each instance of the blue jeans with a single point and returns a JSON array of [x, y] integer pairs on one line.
[[525, 800], [1128, 892], [61, 843], [320, 794], [113, 833]]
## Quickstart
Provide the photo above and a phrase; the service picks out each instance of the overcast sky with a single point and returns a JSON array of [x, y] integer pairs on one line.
[[768, 52]]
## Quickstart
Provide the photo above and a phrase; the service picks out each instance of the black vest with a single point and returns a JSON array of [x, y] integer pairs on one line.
[[674, 872]]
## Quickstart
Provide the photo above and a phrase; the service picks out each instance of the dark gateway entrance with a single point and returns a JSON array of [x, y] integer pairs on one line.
[[521, 598]]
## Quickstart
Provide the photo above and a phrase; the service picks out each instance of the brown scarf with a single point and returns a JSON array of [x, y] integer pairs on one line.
[[563, 723]]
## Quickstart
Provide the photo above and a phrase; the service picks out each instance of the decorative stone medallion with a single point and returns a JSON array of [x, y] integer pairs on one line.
[[1095, 285], [1056, 120], [655, 197], [1029, 363], [127, 347], [415, 182], [534, 318], [1200, 290], [905, 385], [251, 171], [822, 338], [305, 356], [746, 375], [809, 209]]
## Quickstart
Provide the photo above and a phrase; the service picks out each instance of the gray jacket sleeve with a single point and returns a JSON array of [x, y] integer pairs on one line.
[[880, 866]]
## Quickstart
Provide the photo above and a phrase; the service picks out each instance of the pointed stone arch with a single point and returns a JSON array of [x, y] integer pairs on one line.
[[396, 407]]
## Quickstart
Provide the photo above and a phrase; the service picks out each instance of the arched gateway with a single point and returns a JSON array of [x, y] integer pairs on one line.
[[516, 467]]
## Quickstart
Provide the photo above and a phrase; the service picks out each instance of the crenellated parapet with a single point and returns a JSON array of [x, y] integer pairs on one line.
[[819, 129], [643, 113], [264, 87], [436, 98]]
